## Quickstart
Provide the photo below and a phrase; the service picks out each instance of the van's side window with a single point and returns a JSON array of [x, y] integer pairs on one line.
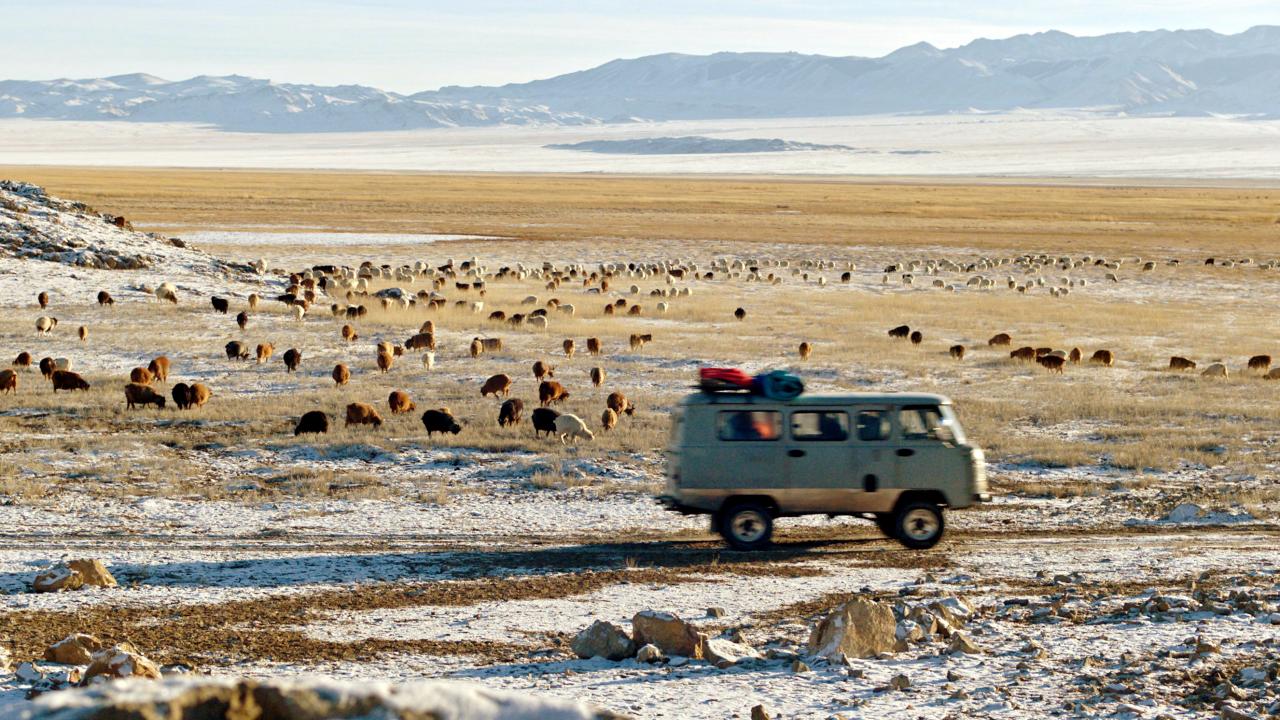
[[920, 422], [736, 425], [873, 425], [820, 425]]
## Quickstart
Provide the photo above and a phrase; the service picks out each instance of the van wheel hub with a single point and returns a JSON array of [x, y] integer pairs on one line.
[[749, 526], [920, 524]]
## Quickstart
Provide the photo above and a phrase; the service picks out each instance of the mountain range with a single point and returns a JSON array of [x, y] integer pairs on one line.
[[1179, 72]]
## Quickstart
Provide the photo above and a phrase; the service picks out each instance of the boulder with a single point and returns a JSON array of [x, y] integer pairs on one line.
[[649, 654], [760, 713], [76, 649], [93, 572], [672, 635], [57, 579], [962, 645], [726, 653], [120, 661], [860, 628], [604, 639]]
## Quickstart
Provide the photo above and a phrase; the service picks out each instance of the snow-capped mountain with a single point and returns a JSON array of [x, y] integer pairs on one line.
[[1190, 72]]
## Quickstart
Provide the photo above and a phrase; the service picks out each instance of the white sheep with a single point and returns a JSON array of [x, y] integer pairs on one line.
[[45, 325], [572, 426], [299, 312], [428, 360]]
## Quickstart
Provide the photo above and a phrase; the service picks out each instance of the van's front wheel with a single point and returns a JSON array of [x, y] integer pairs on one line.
[[747, 526], [918, 525]]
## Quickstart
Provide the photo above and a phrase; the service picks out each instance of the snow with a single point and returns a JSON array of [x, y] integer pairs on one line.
[[693, 145]]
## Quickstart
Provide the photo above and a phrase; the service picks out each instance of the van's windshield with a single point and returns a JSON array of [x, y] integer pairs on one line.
[[930, 422]]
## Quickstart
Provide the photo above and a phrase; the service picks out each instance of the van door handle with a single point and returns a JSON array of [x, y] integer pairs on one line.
[[906, 452], [796, 453]]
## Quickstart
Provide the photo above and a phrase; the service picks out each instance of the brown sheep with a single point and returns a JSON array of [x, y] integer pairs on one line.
[[47, 367], [957, 352], [608, 419], [341, 374], [568, 347], [400, 402], [8, 381], [510, 412], [1272, 374], [440, 421], [236, 350], [43, 300], [901, 332], [349, 334], [421, 341], [609, 309], [253, 301], [141, 376], [265, 351], [597, 376], [181, 395], [385, 361], [242, 319], [220, 305], [497, 385], [917, 337], [477, 348], [1075, 355], [1103, 357], [1042, 351], [23, 360], [1023, 353], [1000, 339], [635, 310], [1178, 363], [104, 298], [428, 326], [593, 346], [292, 359], [550, 391], [136, 394], [359, 413], [1260, 362], [1052, 363], [492, 344], [67, 380], [805, 350], [159, 368], [542, 370], [619, 403], [314, 421], [198, 394]]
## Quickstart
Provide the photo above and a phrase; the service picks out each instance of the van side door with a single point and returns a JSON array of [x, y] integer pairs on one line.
[[874, 458], [924, 448], [820, 476], [747, 451]]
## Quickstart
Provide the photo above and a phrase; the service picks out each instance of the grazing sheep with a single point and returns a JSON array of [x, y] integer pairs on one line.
[[104, 298], [1103, 357], [917, 337], [159, 368], [242, 319], [740, 314], [544, 420], [422, 341], [1052, 363], [141, 376], [48, 367], [499, 384], [440, 421], [83, 332], [299, 312], [23, 360], [8, 381], [609, 309], [597, 376], [67, 380], [1023, 353], [1075, 355], [264, 352], [619, 403], [901, 332], [1000, 339], [550, 391], [568, 348], [359, 413], [492, 344], [220, 304], [510, 412], [314, 421], [593, 346], [636, 310], [43, 299], [384, 348], [181, 395], [1215, 370], [292, 359], [236, 350], [543, 370], [1273, 374], [1260, 362], [136, 394], [45, 325], [608, 419], [572, 426], [341, 374], [428, 360], [1178, 363], [957, 352], [805, 350], [385, 361], [1042, 351], [477, 348], [167, 291], [198, 394], [253, 301]]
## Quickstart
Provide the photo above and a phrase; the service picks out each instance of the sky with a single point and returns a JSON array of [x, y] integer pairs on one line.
[[408, 46]]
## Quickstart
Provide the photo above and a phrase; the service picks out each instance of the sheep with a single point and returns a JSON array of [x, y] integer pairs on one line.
[[957, 352], [141, 376], [477, 348], [740, 314], [47, 367], [1178, 363], [341, 374], [917, 337], [1023, 353], [1075, 356], [8, 381], [136, 394], [220, 305], [67, 380], [568, 347], [1260, 362], [608, 419], [359, 413], [544, 420], [83, 332], [198, 394], [1215, 370], [499, 384], [299, 312], [597, 376], [236, 350], [313, 421], [242, 319], [1042, 351], [806, 350], [638, 341], [537, 321], [440, 421], [901, 332], [1272, 374], [421, 341], [510, 412], [572, 426], [491, 344], [45, 324], [619, 403], [253, 301], [550, 391], [543, 370], [181, 397], [159, 368], [385, 361], [292, 359], [1000, 339], [43, 299], [593, 346], [1103, 357], [167, 291], [428, 360], [104, 298], [1052, 363], [23, 360]]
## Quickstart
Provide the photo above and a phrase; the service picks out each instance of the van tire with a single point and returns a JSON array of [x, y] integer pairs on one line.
[[747, 525], [918, 525]]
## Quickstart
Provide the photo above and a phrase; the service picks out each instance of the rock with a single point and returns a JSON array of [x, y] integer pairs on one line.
[[725, 653], [93, 572], [6, 661], [666, 630], [961, 644], [910, 631], [760, 713], [1230, 713], [715, 612], [604, 639], [900, 682], [121, 661], [57, 579], [954, 610], [799, 666], [76, 649], [954, 676], [649, 654], [860, 628]]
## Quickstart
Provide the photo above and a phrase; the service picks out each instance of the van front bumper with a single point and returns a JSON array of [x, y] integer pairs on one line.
[[982, 497], [672, 503]]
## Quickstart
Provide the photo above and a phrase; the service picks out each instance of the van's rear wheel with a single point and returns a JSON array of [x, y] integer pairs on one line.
[[747, 526], [918, 525]]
